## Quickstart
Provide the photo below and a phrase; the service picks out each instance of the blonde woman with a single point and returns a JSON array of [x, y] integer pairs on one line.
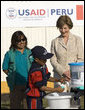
[[66, 48]]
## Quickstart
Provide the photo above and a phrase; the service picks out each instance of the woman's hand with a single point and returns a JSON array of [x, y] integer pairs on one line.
[[66, 74], [62, 80]]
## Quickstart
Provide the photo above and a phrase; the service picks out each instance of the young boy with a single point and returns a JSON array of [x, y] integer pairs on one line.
[[38, 77]]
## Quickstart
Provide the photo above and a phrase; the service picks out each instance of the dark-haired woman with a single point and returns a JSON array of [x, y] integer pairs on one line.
[[16, 64], [66, 48]]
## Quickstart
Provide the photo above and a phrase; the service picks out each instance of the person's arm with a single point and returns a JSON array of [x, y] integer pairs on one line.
[[59, 69], [50, 90], [66, 75], [6, 72], [52, 79], [80, 51], [5, 64]]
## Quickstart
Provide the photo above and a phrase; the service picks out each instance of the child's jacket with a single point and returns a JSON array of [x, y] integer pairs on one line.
[[37, 77]]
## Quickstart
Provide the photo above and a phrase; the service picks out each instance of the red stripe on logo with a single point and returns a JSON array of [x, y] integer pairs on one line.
[[79, 12]]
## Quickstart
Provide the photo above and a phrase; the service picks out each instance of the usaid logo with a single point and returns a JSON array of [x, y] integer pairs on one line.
[[43, 13], [11, 13]]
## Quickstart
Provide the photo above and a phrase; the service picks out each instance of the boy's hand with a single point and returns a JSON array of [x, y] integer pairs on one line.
[[62, 80], [59, 89]]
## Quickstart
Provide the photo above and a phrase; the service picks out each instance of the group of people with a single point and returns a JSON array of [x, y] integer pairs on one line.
[[26, 69]]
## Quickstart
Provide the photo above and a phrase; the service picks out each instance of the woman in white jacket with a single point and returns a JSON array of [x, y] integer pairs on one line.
[[66, 48]]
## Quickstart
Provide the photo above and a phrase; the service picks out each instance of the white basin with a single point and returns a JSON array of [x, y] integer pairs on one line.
[[62, 101]]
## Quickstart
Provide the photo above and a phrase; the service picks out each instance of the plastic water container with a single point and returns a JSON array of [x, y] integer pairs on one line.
[[60, 101], [77, 74]]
